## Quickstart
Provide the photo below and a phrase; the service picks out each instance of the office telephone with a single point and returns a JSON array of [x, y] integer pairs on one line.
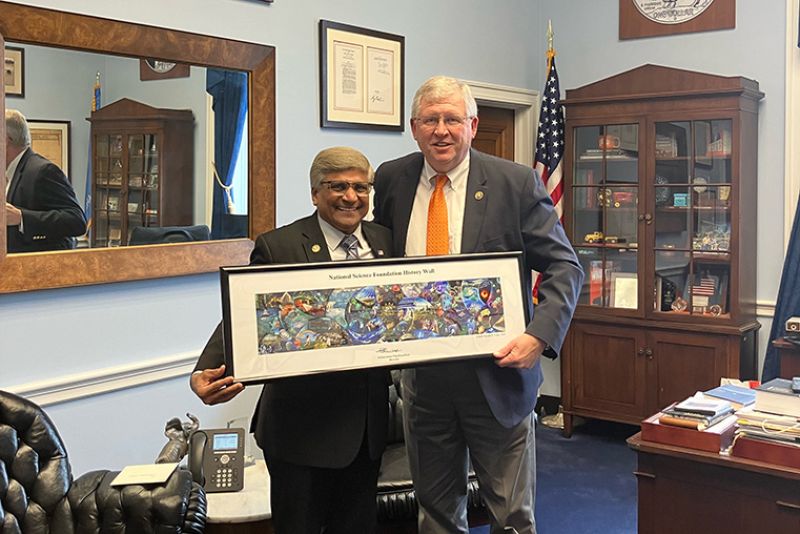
[[216, 459]]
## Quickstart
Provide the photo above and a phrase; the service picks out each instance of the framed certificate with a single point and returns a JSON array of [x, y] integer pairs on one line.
[[291, 320], [361, 78]]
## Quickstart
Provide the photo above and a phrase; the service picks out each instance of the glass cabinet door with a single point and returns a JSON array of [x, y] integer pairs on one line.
[[692, 218], [605, 198]]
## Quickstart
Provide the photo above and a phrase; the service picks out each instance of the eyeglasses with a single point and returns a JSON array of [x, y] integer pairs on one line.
[[362, 189], [450, 121]]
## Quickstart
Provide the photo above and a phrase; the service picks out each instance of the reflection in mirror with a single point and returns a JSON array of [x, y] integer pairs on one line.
[[149, 155]]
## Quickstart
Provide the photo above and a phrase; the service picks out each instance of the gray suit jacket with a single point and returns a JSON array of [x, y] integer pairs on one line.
[[318, 420], [507, 208]]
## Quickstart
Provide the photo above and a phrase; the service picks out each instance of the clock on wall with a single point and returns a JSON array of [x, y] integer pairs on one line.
[[155, 69], [647, 18]]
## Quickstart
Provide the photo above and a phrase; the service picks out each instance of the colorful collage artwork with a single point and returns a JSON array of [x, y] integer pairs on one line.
[[366, 315]]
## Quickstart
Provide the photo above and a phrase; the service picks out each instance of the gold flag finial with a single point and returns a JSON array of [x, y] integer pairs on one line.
[[551, 52]]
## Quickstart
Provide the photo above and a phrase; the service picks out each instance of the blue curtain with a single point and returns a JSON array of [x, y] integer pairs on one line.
[[788, 300], [229, 92]]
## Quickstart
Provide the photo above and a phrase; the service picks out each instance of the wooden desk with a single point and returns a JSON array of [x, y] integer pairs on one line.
[[789, 357], [686, 491], [246, 511]]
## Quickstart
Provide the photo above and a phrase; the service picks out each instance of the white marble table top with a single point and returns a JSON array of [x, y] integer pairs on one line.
[[249, 505]]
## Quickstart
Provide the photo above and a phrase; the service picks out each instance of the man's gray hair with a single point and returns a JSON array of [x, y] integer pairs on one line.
[[338, 159], [17, 129], [441, 87]]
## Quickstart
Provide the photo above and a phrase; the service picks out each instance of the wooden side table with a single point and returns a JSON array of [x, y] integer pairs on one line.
[[243, 512], [790, 357]]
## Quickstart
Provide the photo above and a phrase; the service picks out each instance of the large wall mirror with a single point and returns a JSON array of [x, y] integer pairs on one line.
[[179, 113]]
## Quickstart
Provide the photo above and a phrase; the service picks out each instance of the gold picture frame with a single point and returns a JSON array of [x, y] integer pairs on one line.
[[361, 78], [51, 139], [14, 71]]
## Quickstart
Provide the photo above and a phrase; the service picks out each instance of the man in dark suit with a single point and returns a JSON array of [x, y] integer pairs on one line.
[[322, 435], [42, 212], [449, 199]]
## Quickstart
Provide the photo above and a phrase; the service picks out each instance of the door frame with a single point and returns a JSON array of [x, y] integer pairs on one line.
[[524, 102]]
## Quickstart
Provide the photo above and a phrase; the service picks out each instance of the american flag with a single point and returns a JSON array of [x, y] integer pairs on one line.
[[707, 287], [550, 139]]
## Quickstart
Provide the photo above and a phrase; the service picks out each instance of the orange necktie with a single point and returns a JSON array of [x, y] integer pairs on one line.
[[438, 231]]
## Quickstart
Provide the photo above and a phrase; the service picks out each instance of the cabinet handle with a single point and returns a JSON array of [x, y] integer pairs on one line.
[[642, 474], [641, 217], [648, 218], [789, 505], [640, 352], [649, 354]]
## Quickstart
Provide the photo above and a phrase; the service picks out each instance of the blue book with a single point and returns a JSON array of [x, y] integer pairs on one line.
[[735, 394]]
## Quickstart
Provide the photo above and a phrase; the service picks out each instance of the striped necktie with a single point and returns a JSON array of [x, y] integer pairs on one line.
[[350, 245], [438, 242]]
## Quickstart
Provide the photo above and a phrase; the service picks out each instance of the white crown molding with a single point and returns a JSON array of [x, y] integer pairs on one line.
[[523, 102], [76, 386]]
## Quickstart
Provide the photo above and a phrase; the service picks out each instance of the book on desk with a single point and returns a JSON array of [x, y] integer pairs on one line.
[[715, 438], [776, 396]]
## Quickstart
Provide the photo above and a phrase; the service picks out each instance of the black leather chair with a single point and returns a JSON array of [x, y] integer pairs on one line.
[[397, 504], [155, 235], [39, 495]]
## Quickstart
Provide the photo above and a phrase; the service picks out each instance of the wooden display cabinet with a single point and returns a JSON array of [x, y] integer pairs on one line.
[[660, 168], [142, 170]]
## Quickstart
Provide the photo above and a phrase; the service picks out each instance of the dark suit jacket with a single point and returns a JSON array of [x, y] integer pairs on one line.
[[318, 420], [51, 215], [513, 212]]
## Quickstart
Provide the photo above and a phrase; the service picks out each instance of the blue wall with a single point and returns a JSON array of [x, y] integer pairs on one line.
[[101, 332]]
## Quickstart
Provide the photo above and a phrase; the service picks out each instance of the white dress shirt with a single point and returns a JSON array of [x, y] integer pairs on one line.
[[334, 236], [455, 194]]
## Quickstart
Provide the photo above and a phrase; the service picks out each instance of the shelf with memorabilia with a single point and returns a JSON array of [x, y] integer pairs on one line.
[[660, 175], [132, 179]]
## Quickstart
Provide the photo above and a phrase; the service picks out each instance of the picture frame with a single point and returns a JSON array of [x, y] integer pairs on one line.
[[51, 139], [293, 320], [624, 290], [361, 78], [14, 71]]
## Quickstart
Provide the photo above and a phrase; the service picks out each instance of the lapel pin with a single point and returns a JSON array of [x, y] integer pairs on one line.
[[478, 195], [379, 252], [315, 248]]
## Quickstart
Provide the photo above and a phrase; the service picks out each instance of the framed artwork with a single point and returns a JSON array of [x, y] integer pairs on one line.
[[51, 139], [624, 290], [14, 71], [648, 18], [361, 78], [290, 320]]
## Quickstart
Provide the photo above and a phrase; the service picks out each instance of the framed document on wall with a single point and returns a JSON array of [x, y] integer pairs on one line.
[[291, 320], [648, 18], [361, 78], [51, 140]]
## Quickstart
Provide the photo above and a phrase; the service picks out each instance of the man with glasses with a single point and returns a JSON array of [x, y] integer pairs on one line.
[[451, 199], [322, 435]]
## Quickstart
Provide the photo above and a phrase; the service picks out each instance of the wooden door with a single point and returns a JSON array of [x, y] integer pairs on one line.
[[680, 364], [607, 371], [495, 132]]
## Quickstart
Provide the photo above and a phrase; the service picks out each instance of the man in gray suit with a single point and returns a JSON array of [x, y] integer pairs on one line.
[[322, 435], [481, 408]]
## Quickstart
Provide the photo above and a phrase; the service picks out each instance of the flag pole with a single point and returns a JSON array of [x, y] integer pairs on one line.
[[551, 52]]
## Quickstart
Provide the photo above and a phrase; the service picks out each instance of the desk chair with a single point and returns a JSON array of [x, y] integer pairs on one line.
[[397, 504], [39, 494]]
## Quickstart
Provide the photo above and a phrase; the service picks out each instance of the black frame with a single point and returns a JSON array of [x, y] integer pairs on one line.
[[226, 273], [325, 121]]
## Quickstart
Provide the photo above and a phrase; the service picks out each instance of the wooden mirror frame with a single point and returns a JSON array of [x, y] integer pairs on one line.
[[47, 27]]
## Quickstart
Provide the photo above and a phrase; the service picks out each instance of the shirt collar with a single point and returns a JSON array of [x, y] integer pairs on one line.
[[12, 167], [457, 176], [334, 236]]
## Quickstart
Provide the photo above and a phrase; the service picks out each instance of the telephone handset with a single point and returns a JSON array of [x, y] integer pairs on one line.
[[216, 459]]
